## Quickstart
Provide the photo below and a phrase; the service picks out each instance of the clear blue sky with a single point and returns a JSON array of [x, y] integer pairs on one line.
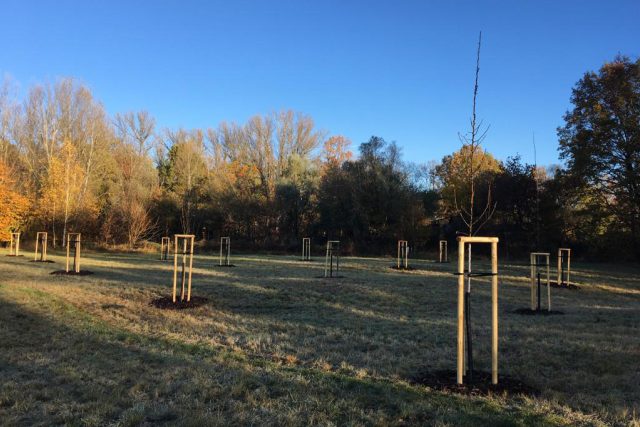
[[402, 70]]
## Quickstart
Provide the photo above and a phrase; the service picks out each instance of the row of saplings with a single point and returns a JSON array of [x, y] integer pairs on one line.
[[72, 247], [539, 264], [183, 246]]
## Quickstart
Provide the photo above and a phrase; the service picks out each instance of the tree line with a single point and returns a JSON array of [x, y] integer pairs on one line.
[[67, 166]]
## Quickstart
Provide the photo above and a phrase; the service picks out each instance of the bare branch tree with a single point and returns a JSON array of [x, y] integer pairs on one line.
[[471, 145], [137, 129]]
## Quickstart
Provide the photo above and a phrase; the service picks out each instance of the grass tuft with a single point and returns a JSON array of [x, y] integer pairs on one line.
[[272, 345]]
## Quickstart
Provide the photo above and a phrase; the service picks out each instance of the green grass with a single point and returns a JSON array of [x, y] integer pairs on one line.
[[277, 346]]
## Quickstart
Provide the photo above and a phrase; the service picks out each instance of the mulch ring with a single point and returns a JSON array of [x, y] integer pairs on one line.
[[224, 265], [541, 312], [71, 273], [570, 286], [166, 303], [401, 268], [331, 277], [37, 260], [445, 380], [14, 256]]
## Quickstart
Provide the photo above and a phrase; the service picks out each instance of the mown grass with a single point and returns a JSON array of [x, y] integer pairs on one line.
[[277, 346]]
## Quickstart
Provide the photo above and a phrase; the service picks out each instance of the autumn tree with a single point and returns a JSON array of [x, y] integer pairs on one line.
[[517, 187], [459, 177], [136, 180], [9, 121], [296, 197], [260, 160], [66, 179], [185, 171], [600, 142], [336, 152], [64, 137], [13, 205], [370, 200]]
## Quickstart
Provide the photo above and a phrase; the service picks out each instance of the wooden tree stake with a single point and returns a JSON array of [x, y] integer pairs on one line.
[[403, 254], [225, 251], [165, 244], [41, 244], [306, 249], [462, 273], [444, 256], [14, 246], [564, 254], [333, 250], [187, 241], [539, 259], [75, 238]]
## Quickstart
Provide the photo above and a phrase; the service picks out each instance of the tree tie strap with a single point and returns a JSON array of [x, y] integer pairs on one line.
[[480, 274]]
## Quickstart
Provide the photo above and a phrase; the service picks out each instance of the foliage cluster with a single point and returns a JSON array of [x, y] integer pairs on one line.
[[65, 165]]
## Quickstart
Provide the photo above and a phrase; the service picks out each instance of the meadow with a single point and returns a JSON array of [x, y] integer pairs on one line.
[[276, 345]]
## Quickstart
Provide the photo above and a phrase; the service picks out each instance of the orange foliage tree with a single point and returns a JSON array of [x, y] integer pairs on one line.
[[336, 151], [13, 206]]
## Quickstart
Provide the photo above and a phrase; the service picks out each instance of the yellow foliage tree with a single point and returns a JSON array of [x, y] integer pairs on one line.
[[59, 199], [457, 172], [13, 206]]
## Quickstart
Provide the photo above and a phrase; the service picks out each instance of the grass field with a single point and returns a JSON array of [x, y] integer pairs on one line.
[[275, 345]]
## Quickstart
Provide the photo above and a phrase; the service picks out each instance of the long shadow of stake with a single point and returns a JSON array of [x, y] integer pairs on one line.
[[113, 363]]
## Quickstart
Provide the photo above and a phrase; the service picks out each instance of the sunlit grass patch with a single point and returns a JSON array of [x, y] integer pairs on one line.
[[275, 345]]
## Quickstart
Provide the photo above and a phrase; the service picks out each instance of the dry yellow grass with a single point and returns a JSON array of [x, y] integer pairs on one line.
[[275, 345]]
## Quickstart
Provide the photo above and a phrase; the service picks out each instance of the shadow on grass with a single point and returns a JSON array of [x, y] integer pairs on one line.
[[389, 324], [73, 369]]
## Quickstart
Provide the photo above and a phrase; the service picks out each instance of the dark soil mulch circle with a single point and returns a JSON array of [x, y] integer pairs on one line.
[[224, 266], [332, 277], [166, 303], [46, 260], [15, 256], [409, 268], [570, 286], [541, 312], [71, 273], [445, 380]]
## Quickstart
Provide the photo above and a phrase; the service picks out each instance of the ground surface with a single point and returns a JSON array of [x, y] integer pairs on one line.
[[275, 345]]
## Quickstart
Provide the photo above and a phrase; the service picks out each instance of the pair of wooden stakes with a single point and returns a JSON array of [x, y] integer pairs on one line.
[[14, 244], [464, 358], [464, 271], [185, 242], [540, 260], [403, 253], [331, 259], [72, 247], [333, 253], [332, 256]]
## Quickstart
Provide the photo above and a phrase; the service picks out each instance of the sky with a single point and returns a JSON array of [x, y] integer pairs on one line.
[[402, 70]]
